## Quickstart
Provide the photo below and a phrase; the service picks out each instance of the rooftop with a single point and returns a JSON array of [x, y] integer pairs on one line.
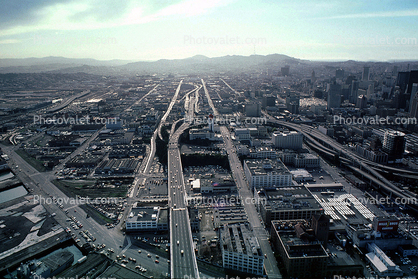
[[298, 239], [266, 166], [239, 238], [143, 214], [286, 198]]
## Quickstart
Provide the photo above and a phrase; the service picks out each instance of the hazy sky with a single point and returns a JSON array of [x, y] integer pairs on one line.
[[155, 29]]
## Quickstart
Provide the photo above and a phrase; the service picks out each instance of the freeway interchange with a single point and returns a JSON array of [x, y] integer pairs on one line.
[[354, 161]]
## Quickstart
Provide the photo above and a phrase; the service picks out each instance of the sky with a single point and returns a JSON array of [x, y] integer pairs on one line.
[[148, 30]]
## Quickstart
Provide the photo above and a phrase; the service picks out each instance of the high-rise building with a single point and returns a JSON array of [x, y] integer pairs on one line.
[[355, 84], [405, 81], [253, 109], [394, 144], [339, 73], [395, 70], [334, 96], [366, 73], [413, 107], [361, 102], [313, 77], [293, 102], [268, 101], [370, 91]]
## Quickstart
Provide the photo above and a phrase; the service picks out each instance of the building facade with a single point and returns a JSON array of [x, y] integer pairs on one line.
[[240, 249], [267, 173], [288, 140]]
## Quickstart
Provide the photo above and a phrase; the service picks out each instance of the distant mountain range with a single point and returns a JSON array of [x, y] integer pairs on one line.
[[196, 64]]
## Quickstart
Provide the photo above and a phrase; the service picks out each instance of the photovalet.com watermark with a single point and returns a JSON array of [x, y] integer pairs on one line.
[[85, 120], [75, 201], [375, 40], [374, 120], [213, 201], [386, 200], [225, 120]]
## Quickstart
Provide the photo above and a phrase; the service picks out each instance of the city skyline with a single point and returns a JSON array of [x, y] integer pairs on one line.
[[152, 30]]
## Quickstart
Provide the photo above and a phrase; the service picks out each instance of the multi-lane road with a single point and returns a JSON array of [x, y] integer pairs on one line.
[[311, 133], [270, 264], [183, 258]]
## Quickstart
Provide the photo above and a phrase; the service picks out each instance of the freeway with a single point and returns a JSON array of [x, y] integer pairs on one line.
[[68, 101], [40, 185], [270, 264], [183, 258], [173, 101], [356, 159]]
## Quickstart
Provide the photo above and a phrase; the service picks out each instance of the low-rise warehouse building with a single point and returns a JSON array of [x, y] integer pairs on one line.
[[147, 219]]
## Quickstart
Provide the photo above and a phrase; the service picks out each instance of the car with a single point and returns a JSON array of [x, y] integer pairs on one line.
[[149, 255], [157, 261], [178, 242], [139, 251], [182, 252]]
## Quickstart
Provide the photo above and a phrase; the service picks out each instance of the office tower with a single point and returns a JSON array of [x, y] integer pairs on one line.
[[268, 101], [345, 92], [285, 70], [366, 73], [355, 84], [405, 81], [334, 96], [292, 102], [395, 70], [361, 102], [370, 91], [339, 73], [253, 110], [413, 107], [394, 144], [350, 79], [313, 77]]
